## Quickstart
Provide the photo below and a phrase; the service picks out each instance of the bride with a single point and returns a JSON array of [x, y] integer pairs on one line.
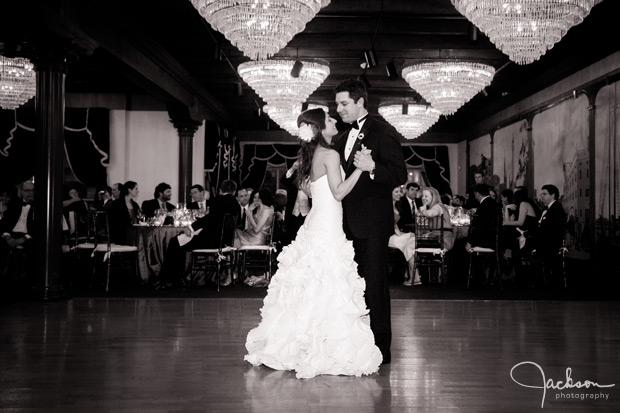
[[314, 317]]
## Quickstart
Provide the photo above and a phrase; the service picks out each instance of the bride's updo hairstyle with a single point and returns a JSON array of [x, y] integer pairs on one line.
[[315, 119]]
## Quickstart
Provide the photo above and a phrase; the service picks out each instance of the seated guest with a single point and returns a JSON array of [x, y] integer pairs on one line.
[[74, 208], [259, 220], [551, 227], [200, 198], [6, 196], [407, 206], [162, 194], [298, 203], [17, 228], [433, 207], [525, 221], [104, 198], [458, 201], [210, 226], [116, 190], [404, 241], [123, 213], [470, 197], [243, 198], [482, 231], [281, 236]]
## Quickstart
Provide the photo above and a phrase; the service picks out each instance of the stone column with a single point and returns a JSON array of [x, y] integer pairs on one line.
[[186, 129], [51, 64]]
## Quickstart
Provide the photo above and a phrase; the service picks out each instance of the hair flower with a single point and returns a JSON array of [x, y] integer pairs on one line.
[[360, 136], [305, 132]]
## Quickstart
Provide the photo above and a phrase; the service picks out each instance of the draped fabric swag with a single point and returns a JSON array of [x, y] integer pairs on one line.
[[87, 144]]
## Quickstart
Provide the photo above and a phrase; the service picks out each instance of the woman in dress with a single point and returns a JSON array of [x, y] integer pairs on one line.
[[123, 213], [526, 223], [433, 207], [314, 317], [259, 220], [404, 241]]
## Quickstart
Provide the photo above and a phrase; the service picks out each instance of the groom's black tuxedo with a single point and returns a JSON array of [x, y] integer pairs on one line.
[[369, 218]]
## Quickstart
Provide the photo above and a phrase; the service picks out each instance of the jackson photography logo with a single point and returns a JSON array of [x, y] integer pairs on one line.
[[565, 385]]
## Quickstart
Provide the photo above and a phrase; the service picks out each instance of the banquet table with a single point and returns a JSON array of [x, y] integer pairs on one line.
[[152, 242]]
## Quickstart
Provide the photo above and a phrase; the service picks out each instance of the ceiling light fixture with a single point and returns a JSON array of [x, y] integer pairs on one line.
[[286, 116], [18, 82], [273, 82], [410, 119], [448, 85], [259, 28], [525, 30]]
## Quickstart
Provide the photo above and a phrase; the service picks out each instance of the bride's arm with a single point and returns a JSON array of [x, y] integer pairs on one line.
[[339, 188]]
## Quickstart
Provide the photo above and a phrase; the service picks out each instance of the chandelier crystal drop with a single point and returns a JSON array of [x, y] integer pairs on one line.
[[525, 29], [417, 120], [273, 82], [286, 116], [448, 85], [259, 28], [18, 82]]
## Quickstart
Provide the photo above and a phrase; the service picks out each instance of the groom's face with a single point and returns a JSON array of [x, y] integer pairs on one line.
[[348, 109]]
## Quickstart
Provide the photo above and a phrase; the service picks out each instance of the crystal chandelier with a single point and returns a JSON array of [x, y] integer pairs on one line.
[[259, 28], [448, 85], [286, 116], [18, 82], [273, 82], [411, 120], [525, 29]]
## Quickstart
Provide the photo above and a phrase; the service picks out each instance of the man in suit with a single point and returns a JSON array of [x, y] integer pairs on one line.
[[483, 228], [407, 206], [162, 194], [550, 236], [210, 226], [16, 228], [200, 198], [472, 201], [368, 211]]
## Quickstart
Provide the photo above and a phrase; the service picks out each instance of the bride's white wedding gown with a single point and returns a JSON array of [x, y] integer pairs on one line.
[[314, 317]]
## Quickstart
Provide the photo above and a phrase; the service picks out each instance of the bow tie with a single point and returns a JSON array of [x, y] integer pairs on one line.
[[356, 124]]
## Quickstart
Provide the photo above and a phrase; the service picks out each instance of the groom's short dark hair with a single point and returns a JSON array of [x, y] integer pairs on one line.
[[355, 88]]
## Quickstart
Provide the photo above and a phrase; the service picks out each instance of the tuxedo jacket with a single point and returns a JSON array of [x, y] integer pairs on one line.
[[367, 209], [484, 224], [407, 215], [551, 229], [12, 214], [211, 224], [151, 205], [194, 205], [120, 221]]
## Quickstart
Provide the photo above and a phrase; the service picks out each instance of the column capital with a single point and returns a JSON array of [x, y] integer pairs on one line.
[[55, 55], [186, 128]]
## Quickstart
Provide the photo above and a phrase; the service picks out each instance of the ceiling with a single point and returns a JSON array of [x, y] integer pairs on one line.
[[165, 49]]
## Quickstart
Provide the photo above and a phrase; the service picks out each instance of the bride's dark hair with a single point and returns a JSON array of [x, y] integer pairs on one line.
[[315, 118]]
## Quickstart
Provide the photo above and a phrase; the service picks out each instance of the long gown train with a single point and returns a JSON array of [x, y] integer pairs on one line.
[[314, 317]]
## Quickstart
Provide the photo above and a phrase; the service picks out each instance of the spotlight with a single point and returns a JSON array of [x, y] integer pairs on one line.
[[239, 89], [296, 70], [405, 108], [371, 58], [390, 68], [219, 53], [304, 106], [362, 78], [473, 33], [485, 93]]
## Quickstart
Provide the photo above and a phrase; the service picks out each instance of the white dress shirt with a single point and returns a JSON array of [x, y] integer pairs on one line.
[[353, 133]]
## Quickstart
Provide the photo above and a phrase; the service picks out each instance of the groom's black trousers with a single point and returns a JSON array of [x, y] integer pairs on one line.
[[371, 255]]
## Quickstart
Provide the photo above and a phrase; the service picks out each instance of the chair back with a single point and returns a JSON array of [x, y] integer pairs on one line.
[[227, 235], [429, 231], [80, 228], [101, 228]]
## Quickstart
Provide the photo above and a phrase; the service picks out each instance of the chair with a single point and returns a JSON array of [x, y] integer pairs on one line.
[[430, 251], [111, 253], [219, 258], [488, 255], [258, 256]]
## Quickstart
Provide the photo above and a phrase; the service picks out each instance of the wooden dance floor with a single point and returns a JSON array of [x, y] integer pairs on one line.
[[186, 355]]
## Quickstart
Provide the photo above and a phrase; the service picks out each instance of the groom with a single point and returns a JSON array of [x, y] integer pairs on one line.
[[368, 211]]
